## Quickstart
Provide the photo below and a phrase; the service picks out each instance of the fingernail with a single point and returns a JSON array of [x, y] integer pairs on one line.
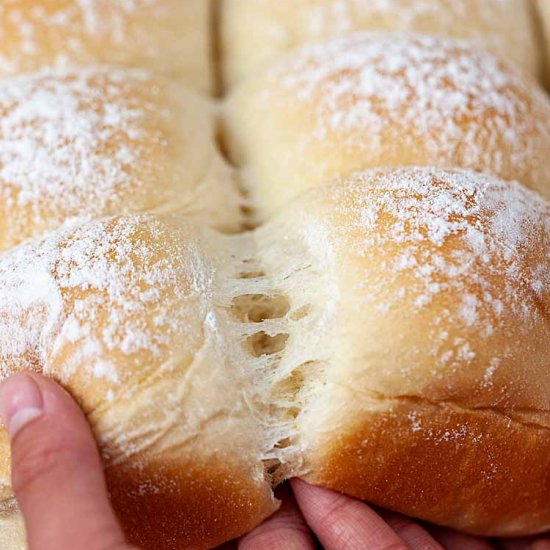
[[20, 402]]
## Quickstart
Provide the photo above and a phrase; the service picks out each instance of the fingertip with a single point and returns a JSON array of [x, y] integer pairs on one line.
[[315, 496], [305, 490], [284, 530], [342, 522], [57, 474], [298, 483], [28, 399], [21, 402], [411, 531]]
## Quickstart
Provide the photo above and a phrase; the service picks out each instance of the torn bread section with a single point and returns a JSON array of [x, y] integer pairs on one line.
[[127, 314], [432, 395], [283, 304], [366, 337]]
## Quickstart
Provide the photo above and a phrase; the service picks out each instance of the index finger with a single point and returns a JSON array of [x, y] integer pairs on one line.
[[285, 530], [344, 523]]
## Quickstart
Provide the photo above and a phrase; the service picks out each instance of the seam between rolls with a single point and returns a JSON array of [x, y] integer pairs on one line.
[[541, 42]]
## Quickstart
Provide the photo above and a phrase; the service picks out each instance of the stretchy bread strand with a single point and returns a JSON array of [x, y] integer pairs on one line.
[[384, 336]]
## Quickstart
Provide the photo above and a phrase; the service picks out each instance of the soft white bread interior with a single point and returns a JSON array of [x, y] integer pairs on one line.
[[255, 32], [77, 144], [171, 36], [385, 336], [385, 99]]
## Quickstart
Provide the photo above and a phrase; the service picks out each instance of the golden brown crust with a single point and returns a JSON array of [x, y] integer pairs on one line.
[[174, 506], [412, 369], [408, 365], [473, 470], [132, 327], [254, 32], [371, 100], [432, 394], [168, 505], [170, 36]]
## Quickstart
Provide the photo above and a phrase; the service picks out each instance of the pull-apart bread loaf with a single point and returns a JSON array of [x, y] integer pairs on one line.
[[83, 143], [385, 336], [384, 99], [171, 36], [255, 32]]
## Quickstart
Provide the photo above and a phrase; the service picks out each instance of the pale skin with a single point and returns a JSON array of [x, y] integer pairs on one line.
[[59, 484]]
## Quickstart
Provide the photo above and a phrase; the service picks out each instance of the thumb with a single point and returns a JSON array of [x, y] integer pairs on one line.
[[57, 474]]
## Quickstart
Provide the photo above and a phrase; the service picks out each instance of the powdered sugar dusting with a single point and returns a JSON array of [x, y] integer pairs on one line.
[[445, 100], [76, 24], [98, 20], [107, 288], [504, 27], [69, 142], [450, 233], [336, 17]]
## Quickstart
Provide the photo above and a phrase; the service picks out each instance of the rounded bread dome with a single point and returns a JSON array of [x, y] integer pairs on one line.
[[424, 353], [126, 313], [169, 36], [255, 32], [373, 100], [82, 143], [213, 366]]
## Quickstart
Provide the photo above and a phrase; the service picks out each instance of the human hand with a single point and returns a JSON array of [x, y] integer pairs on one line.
[[318, 518], [57, 474], [59, 484]]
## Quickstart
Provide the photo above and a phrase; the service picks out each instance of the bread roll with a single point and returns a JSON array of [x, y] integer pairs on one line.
[[172, 36], [213, 366], [428, 389], [77, 144], [254, 32], [127, 314], [384, 99]]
